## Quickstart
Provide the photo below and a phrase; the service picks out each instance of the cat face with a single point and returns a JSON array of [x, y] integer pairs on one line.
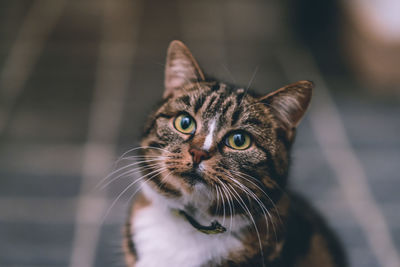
[[232, 143]]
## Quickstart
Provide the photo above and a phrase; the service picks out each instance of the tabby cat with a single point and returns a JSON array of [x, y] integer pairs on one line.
[[215, 163]]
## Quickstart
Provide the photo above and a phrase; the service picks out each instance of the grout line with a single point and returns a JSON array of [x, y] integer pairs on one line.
[[113, 75], [332, 138], [35, 30]]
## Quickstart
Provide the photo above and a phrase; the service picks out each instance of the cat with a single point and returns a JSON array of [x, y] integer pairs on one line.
[[215, 161]]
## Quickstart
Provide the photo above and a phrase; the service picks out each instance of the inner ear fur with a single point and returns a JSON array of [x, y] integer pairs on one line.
[[289, 103], [180, 69]]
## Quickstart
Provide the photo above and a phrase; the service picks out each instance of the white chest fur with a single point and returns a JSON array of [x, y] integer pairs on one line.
[[163, 239]]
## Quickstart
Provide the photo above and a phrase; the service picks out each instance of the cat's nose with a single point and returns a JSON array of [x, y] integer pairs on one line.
[[198, 155]]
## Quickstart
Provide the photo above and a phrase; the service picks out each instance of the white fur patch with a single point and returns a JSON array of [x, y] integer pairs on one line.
[[209, 138], [164, 239]]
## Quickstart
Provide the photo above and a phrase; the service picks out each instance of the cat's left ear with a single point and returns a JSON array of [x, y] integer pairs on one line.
[[181, 68], [289, 103]]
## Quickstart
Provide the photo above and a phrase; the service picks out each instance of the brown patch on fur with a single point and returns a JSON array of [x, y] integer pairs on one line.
[[269, 183], [276, 251], [128, 246], [318, 254]]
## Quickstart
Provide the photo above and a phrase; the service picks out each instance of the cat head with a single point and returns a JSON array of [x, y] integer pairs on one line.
[[228, 141]]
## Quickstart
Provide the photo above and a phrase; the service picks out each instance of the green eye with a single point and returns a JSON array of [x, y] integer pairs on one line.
[[185, 124], [238, 140]]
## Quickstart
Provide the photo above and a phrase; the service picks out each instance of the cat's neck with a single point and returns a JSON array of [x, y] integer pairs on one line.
[[175, 242], [196, 207], [162, 238]]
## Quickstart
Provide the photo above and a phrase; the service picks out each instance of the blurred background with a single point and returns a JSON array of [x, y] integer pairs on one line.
[[77, 79]]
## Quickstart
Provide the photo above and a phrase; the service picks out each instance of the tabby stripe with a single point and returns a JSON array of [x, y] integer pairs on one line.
[[239, 98], [272, 168], [269, 161], [236, 115], [211, 102], [238, 208], [252, 121], [215, 87], [153, 122], [218, 104], [225, 109], [163, 115], [157, 144], [148, 129], [199, 103], [282, 136], [185, 99]]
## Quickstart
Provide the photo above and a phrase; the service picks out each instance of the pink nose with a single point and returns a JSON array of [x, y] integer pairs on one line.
[[198, 155]]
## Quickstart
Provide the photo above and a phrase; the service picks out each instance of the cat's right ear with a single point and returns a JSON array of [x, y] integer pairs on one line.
[[180, 68], [289, 103]]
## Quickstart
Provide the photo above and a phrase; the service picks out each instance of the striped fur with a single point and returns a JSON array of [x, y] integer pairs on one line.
[[244, 190]]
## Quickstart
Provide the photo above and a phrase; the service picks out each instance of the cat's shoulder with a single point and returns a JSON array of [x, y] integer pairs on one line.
[[310, 240]]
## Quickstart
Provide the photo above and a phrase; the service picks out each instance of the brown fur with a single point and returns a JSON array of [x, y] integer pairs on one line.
[[318, 254], [252, 180]]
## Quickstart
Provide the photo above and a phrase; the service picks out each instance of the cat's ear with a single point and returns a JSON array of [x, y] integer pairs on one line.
[[289, 103], [181, 68]]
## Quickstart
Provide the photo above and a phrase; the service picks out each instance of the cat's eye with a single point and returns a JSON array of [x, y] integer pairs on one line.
[[185, 124], [238, 140]]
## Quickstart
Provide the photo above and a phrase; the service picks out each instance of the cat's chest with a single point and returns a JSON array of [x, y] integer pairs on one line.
[[163, 239]]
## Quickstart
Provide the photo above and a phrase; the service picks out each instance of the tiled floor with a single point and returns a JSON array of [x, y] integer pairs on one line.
[[77, 77]]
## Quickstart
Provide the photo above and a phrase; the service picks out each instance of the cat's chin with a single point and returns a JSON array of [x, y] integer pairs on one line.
[[192, 177], [196, 191]]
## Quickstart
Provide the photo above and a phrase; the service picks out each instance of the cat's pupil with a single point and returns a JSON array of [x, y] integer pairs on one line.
[[238, 139], [185, 122]]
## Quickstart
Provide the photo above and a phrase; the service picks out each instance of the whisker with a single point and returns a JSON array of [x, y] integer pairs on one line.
[[241, 175], [247, 190], [264, 210], [130, 172], [150, 147], [268, 213], [123, 168], [249, 84], [223, 205], [230, 200], [144, 182], [127, 188], [217, 195], [137, 148], [252, 219], [255, 179], [145, 157], [229, 73]]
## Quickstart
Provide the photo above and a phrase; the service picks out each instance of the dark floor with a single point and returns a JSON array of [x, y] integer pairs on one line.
[[78, 77]]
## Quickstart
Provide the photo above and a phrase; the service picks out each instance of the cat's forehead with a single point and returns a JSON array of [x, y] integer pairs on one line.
[[216, 102]]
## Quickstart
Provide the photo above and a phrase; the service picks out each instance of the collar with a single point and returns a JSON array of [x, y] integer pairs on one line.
[[214, 228]]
